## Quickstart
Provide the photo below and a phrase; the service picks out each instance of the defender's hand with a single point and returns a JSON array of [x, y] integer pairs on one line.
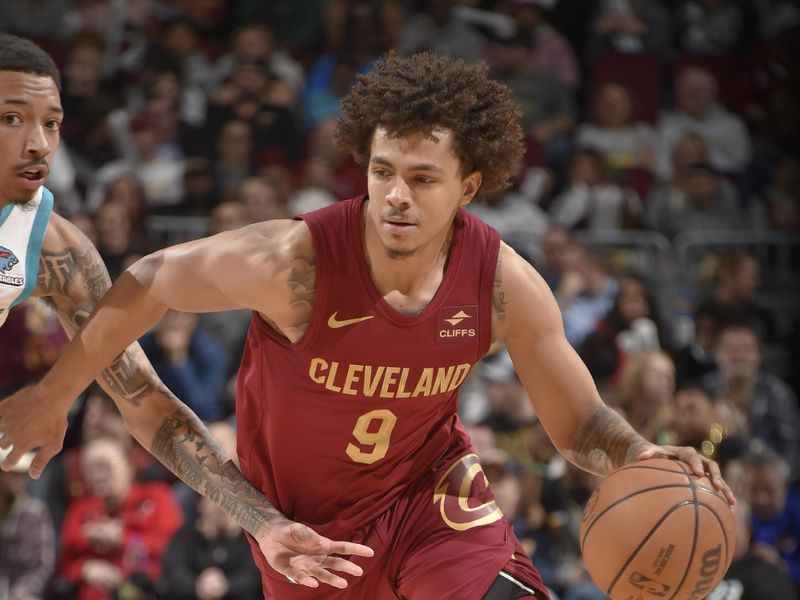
[[30, 420], [700, 465], [307, 558]]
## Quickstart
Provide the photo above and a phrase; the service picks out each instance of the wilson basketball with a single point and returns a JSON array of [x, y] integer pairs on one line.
[[653, 530]]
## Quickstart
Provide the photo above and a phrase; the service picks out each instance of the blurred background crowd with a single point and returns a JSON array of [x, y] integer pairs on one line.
[[659, 198]]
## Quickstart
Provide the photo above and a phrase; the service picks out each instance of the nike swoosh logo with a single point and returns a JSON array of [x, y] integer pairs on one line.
[[334, 323]]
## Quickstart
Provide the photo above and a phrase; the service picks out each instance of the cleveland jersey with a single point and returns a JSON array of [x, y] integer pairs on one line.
[[22, 229], [334, 427]]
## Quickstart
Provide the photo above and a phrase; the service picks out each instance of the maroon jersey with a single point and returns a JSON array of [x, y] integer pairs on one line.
[[334, 427]]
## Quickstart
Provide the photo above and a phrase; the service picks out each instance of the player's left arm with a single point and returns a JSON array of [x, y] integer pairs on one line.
[[72, 279], [586, 431]]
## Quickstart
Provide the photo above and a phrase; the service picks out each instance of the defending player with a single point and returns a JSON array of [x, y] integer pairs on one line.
[[367, 317], [44, 255]]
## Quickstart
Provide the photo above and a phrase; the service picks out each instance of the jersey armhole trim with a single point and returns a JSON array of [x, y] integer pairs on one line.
[[35, 245]]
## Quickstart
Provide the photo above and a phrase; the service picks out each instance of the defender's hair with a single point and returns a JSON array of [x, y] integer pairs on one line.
[[23, 56]]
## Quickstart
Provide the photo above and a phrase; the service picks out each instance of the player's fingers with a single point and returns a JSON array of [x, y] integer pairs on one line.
[[327, 577], [43, 457], [336, 563], [349, 548], [5, 441], [12, 459], [305, 580]]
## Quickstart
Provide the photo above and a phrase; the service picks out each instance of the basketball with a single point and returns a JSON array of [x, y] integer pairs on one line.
[[654, 530]]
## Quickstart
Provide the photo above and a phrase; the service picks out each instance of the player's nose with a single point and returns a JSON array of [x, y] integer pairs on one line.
[[36, 143], [399, 193]]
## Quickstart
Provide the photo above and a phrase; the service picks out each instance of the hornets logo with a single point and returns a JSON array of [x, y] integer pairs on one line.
[[7, 260], [462, 483]]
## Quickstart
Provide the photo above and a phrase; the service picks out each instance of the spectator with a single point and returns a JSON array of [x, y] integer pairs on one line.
[[117, 534], [437, 28], [548, 51], [630, 27], [770, 405], [624, 142], [693, 421], [548, 106], [776, 510], [555, 243], [695, 359], [228, 215], [189, 362], [648, 389], [593, 201], [711, 26], [698, 111], [734, 297], [27, 543], [751, 576], [630, 328], [261, 200], [585, 293], [115, 236], [703, 200], [256, 41], [234, 158], [520, 222]]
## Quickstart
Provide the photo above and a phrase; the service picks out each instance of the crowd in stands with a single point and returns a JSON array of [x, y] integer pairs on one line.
[[659, 198]]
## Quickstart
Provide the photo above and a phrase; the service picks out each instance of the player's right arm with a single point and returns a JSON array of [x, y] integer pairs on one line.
[[267, 267]]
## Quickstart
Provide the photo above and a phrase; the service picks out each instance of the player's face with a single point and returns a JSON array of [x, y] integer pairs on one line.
[[415, 187], [30, 118]]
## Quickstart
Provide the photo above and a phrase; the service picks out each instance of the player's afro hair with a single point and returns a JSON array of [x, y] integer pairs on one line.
[[428, 91], [23, 56]]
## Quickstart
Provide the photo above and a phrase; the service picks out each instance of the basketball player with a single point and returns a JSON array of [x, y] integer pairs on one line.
[[367, 317], [44, 255]]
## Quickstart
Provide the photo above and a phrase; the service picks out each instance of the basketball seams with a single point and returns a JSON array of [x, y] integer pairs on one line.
[[722, 529], [625, 498], [646, 539], [650, 468], [693, 488]]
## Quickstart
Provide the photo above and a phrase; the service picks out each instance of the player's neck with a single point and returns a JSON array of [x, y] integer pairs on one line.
[[416, 276]]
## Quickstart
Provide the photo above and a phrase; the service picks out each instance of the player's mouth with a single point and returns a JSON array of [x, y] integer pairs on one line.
[[397, 226], [32, 177]]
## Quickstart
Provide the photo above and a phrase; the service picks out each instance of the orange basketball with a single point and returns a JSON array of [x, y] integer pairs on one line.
[[655, 531]]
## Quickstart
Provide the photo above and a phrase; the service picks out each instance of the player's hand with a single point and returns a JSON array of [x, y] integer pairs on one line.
[[30, 420], [700, 465], [307, 558]]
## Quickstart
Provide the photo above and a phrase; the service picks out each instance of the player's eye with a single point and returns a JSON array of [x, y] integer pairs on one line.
[[11, 119], [53, 124], [424, 180], [379, 173]]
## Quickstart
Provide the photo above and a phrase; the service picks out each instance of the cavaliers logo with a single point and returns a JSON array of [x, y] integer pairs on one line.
[[454, 491]]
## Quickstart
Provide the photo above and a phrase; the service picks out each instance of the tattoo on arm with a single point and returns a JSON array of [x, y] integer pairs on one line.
[[183, 444], [606, 442], [499, 300], [73, 281], [302, 282]]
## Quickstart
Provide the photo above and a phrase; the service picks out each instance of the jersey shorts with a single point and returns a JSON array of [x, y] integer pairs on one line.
[[444, 539]]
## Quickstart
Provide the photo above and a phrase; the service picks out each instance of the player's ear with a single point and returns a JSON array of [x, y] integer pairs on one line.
[[470, 186]]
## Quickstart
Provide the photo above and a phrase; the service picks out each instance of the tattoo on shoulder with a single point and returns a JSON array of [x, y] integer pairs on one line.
[[499, 300], [60, 270], [302, 282], [186, 448], [606, 442]]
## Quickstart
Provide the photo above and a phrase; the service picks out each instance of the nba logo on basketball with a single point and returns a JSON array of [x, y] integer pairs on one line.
[[457, 323]]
